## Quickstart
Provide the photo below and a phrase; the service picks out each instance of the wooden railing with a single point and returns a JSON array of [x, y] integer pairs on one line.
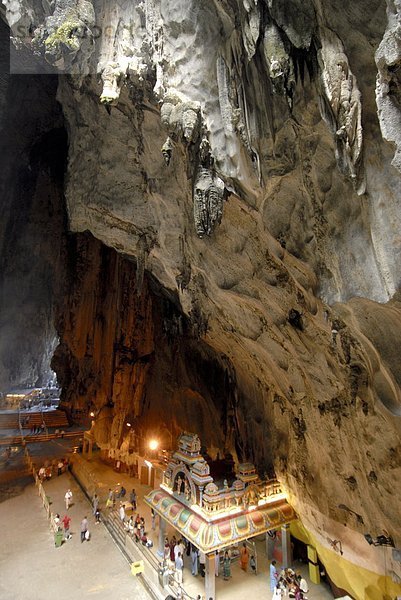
[[41, 491], [21, 439]]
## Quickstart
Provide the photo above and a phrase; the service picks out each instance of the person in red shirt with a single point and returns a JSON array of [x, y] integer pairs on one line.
[[66, 522]]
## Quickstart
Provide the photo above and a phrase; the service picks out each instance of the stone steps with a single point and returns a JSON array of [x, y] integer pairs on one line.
[[116, 528]]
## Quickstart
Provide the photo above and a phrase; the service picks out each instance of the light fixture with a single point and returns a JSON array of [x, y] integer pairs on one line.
[[92, 414], [128, 424], [153, 444], [380, 540]]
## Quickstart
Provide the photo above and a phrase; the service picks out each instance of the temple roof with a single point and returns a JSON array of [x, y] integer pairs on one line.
[[221, 532]]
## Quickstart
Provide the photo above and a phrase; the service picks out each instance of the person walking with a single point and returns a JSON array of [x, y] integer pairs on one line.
[[202, 563], [68, 499], [166, 554], [244, 557], [60, 466], [226, 566], [194, 560], [66, 523], [132, 499], [97, 516], [110, 499], [122, 512], [273, 576], [217, 563], [95, 503], [84, 528], [179, 566], [153, 514]]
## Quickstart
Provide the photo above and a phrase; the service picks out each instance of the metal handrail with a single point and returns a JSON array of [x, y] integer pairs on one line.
[[179, 591]]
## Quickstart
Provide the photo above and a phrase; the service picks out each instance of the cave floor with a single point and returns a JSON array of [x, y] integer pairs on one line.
[[30, 565], [241, 584]]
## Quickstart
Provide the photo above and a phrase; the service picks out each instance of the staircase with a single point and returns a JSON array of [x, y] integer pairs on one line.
[[115, 527]]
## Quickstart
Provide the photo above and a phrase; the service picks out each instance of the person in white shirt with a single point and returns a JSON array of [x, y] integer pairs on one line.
[[122, 512], [68, 499], [179, 566]]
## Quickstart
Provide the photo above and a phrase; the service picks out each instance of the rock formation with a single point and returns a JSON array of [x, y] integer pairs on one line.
[[236, 164]]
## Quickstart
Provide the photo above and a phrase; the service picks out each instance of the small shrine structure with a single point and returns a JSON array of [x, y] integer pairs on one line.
[[215, 515]]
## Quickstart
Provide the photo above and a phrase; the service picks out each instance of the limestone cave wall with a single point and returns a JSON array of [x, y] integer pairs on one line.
[[238, 164], [33, 150]]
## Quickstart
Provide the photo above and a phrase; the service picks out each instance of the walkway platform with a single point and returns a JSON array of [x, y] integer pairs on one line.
[[240, 586], [32, 567]]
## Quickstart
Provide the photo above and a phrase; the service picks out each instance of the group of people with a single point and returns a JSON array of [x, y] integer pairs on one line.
[[47, 470], [135, 528], [287, 582], [120, 493], [38, 428], [175, 550]]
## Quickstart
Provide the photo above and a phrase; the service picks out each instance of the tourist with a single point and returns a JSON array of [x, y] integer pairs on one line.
[[42, 473], [226, 566], [97, 515], [179, 566], [153, 514], [252, 564], [166, 554], [68, 499], [277, 593], [84, 529], [173, 544], [66, 523], [95, 503], [132, 499], [146, 541], [217, 563], [182, 548], [142, 528], [187, 545], [202, 562], [130, 525], [122, 512], [176, 550], [122, 492], [194, 560], [110, 499], [298, 593], [303, 585], [60, 466], [273, 576], [57, 519], [244, 557]]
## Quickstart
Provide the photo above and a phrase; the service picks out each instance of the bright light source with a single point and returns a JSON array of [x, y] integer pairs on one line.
[[148, 464], [92, 414], [128, 424], [153, 444]]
